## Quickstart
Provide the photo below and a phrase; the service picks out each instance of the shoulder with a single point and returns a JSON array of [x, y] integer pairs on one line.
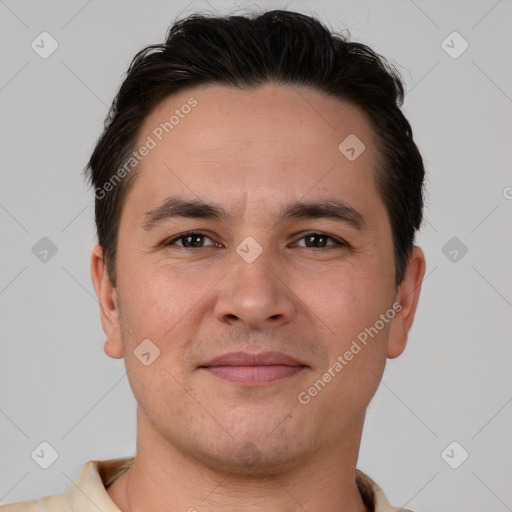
[[56, 503], [373, 496], [87, 493]]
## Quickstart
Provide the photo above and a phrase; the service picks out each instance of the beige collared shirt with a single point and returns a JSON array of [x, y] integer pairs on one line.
[[88, 492]]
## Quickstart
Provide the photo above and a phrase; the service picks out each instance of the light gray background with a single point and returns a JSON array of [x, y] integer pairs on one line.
[[453, 383]]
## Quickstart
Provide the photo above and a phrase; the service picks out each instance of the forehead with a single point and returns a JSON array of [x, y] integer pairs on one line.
[[211, 139], [266, 111]]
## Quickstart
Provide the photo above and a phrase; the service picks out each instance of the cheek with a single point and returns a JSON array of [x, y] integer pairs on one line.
[[165, 304], [157, 296], [154, 308], [357, 350], [161, 394], [356, 339], [345, 301]]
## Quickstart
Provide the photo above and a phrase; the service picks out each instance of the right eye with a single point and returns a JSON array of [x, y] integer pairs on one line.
[[191, 239]]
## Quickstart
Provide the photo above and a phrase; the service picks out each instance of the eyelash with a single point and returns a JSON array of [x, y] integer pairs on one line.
[[337, 242]]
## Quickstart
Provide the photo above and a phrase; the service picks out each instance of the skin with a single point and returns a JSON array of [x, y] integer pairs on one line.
[[208, 443]]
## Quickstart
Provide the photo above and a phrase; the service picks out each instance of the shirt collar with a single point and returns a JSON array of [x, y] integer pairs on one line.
[[88, 492]]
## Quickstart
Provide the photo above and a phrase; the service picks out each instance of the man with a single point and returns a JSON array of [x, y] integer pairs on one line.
[[257, 195]]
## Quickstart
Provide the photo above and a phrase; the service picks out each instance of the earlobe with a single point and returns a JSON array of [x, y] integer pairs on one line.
[[107, 299], [408, 295], [397, 337], [113, 349]]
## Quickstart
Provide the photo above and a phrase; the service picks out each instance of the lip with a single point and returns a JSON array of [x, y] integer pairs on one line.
[[248, 359], [254, 369]]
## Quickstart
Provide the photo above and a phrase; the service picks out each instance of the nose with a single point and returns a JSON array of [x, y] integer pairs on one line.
[[255, 295]]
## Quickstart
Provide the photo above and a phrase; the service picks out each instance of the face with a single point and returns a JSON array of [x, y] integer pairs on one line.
[[258, 260]]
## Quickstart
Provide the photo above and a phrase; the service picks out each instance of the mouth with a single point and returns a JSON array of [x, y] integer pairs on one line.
[[254, 369]]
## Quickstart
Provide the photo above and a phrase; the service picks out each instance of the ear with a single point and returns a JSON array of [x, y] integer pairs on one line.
[[107, 298], [407, 297]]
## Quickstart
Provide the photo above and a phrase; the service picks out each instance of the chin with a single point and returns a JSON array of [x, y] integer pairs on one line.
[[256, 455]]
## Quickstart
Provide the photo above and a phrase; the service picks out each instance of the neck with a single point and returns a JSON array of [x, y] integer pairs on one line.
[[162, 477]]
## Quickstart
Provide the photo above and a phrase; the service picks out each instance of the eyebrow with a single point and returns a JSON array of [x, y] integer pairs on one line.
[[175, 206]]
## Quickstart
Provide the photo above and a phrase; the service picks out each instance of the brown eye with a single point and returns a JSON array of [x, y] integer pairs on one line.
[[191, 240], [316, 240], [320, 241]]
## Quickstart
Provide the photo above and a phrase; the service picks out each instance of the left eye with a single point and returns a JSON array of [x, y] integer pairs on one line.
[[319, 240]]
